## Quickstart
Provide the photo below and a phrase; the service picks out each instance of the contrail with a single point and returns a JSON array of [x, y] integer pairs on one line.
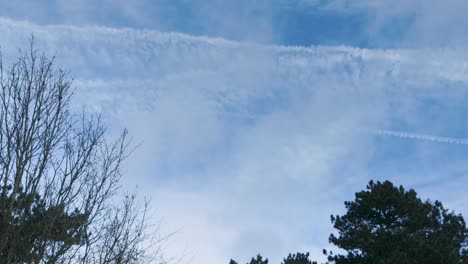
[[393, 133]]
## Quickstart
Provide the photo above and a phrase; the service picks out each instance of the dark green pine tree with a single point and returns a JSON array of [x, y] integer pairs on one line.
[[258, 260], [299, 258], [387, 224]]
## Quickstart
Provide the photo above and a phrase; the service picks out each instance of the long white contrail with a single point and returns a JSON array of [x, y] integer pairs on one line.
[[393, 133]]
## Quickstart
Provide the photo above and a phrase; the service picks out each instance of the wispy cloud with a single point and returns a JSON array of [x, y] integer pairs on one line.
[[240, 140]]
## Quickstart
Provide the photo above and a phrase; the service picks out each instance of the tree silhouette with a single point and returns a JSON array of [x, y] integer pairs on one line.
[[258, 260], [299, 258], [387, 224], [59, 175]]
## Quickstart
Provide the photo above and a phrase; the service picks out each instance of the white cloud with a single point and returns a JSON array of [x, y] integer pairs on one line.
[[249, 148]]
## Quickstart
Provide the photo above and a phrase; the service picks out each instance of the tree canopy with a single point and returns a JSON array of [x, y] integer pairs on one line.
[[299, 258], [387, 224], [257, 260]]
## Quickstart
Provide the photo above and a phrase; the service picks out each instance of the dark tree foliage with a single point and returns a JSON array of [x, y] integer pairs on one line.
[[258, 260], [387, 224], [299, 258]]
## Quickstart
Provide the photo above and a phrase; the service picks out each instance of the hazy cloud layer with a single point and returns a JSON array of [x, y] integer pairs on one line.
[[249, 148], [361, 23]]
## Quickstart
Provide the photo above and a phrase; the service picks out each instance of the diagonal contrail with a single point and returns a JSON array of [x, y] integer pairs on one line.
[[393, 133]]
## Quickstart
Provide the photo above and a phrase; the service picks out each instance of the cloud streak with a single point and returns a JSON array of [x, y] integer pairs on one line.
[[417, 136], [240, 140]]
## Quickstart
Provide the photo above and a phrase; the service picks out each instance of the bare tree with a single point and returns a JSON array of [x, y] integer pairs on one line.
[[59, 176]]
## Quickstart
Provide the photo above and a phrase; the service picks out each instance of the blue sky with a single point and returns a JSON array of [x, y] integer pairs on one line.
[[258, 119]]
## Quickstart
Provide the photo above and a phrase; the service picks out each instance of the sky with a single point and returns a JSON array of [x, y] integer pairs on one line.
[[256, 120]]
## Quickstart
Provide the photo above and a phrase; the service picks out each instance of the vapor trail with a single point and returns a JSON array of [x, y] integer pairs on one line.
[[393, 133]]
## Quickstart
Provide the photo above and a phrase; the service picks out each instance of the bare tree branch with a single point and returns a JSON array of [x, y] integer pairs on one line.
[[60, 176]]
